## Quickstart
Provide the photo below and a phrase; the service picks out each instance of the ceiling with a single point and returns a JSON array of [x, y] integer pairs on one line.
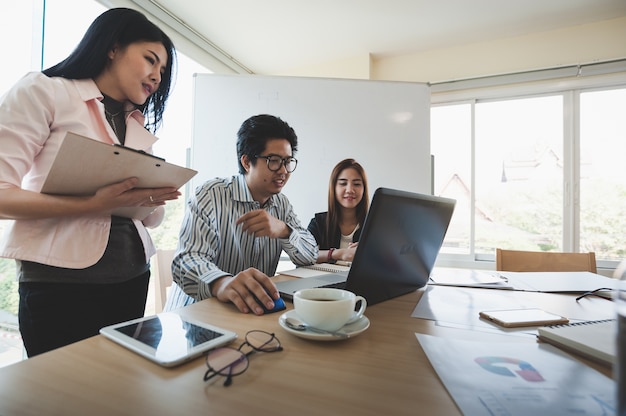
[[274, 36]]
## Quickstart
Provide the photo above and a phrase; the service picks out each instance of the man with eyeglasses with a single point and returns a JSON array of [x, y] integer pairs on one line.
[[235, 228]]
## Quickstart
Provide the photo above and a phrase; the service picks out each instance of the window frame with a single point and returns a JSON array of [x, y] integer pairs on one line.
[[516, 86]]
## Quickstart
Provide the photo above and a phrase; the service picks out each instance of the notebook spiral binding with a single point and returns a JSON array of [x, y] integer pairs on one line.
[[329, 268], [599, 321]]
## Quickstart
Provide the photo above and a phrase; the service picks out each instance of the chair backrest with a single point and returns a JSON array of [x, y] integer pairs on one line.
[[544, 261], [162, 277]]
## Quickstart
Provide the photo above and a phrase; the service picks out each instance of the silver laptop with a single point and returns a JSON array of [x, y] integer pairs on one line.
[[400, 241]]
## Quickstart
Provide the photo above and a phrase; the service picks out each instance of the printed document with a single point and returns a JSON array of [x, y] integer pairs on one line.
[[517, 379]]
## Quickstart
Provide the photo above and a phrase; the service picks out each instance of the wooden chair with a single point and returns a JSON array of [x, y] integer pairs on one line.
[[543, 261], [162, 277]]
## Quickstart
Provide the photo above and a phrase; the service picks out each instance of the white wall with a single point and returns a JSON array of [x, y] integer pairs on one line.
[[600, 41]]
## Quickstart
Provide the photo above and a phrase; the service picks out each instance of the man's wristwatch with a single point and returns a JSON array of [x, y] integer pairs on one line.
[[330, 256]]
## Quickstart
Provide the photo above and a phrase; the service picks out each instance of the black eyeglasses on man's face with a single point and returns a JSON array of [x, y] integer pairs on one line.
[[274, 163]]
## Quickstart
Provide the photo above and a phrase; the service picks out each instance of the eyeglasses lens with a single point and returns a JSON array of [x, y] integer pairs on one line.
[[230, 362], [263, 341], [227, 361], [275, 164]]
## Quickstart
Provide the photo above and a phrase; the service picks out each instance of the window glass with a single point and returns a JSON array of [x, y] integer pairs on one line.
[[174, 143], [21, 30], [60, 38], [450, 128], [175, 132], [602, 173], [519, 174], [21, 26]]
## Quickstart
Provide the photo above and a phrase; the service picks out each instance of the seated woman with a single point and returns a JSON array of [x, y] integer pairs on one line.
[[337, 231]]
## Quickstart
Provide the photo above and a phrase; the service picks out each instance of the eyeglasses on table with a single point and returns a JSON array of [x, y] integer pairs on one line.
[[230, 362], [596, 292]]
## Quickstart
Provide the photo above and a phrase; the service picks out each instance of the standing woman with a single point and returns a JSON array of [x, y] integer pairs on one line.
[[79, 267], [337, 231]]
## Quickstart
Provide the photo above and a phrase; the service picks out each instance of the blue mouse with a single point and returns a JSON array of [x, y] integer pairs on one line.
[[279, 305]]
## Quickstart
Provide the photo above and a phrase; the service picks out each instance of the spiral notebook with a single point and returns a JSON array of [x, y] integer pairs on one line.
[[316, 270], [594, 340]]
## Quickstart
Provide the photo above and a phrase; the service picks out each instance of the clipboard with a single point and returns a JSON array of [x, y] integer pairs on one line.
[[83, 165]]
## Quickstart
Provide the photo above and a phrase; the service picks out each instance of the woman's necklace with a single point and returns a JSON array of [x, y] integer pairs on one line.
[[108, 113], [116, 122], [111, 119]]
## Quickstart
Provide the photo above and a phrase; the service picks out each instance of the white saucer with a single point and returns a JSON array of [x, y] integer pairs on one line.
[[353, 329]]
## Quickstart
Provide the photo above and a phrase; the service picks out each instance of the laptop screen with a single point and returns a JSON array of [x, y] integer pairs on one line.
[[401, 238]]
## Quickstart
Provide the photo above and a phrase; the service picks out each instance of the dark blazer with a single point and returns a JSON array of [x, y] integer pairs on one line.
[[317, 227]]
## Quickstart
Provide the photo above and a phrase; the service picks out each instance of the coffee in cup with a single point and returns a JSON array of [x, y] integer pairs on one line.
[[328, 309]]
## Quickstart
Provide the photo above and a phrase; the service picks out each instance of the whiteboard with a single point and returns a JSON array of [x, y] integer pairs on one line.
[[384, 125]]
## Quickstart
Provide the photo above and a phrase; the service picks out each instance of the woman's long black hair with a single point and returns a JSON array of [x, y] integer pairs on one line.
[[119, 27]]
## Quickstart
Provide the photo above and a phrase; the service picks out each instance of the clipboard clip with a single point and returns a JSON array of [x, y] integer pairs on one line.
[[139, 151]]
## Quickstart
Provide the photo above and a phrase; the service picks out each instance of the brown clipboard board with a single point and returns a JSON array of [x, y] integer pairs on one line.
[[83, 165]]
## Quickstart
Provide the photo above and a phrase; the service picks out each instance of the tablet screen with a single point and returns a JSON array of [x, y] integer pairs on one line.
[[168, 332]]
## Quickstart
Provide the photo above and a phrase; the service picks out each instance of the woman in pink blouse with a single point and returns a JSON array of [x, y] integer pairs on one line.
[[80, 267]]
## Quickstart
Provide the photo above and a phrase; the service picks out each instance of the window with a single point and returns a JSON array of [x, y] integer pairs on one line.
[[536, 167]]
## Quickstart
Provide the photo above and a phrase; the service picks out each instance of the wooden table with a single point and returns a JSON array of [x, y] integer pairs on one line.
[[382, 371]]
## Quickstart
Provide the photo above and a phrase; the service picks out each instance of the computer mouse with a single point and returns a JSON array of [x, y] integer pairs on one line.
[[279, 305]]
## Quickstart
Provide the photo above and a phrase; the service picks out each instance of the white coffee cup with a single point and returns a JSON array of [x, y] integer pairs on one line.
[[328, 309]]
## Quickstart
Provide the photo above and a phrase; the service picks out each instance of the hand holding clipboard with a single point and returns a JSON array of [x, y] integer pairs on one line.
[[83, 165]]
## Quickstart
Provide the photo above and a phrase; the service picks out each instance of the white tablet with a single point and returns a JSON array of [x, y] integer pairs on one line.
[[167, 338]]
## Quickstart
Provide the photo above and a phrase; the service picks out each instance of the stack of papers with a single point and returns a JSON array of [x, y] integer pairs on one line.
[[565, 282], [555, 282], [468, 278]]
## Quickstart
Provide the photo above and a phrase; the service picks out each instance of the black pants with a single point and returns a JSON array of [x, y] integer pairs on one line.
[[52, 315]]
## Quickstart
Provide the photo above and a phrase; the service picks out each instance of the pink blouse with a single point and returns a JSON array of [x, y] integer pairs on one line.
[[34, 117]]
